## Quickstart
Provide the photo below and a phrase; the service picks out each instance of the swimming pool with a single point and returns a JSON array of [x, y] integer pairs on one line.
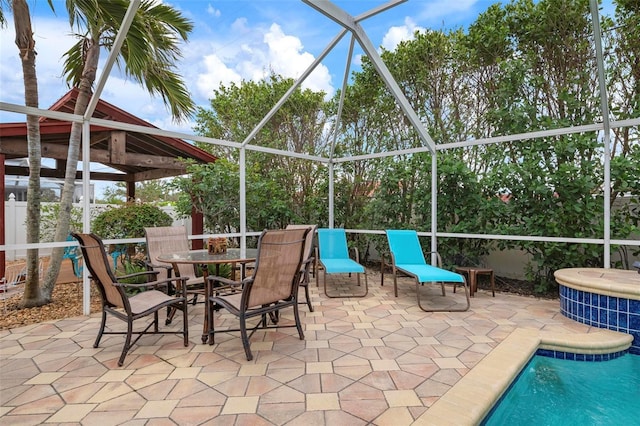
[[552, 391]]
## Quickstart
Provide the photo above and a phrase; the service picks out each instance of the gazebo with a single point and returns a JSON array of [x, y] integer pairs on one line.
[[133, 156]]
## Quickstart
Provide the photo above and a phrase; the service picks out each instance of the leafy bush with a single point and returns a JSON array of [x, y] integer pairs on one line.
[[129, 220]]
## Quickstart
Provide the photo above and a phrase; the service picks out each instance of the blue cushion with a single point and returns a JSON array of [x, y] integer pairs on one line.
[[405, 246], [341, 266], [333, 243], [428, 273]]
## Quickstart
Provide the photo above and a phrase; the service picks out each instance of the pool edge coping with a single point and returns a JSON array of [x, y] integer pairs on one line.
[[473, 396]]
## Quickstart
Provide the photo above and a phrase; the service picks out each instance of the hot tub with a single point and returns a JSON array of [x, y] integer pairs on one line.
[[604, 298]]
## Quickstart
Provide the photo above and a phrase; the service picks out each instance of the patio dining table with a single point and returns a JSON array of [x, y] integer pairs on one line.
[[233, 256]]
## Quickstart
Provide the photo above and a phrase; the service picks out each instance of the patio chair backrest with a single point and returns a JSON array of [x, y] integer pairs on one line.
[[278, 262], [15, 274], [308, 243], [95, 258], [166, 240], [332, 243], [405, 246]]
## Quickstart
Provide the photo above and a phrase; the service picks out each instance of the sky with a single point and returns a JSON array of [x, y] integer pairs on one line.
[[232, 40]]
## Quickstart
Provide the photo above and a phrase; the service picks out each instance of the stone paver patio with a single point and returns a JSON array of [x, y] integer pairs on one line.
[[375, 360]]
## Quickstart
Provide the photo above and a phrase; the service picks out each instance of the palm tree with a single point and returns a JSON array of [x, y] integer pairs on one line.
[[26, 47], [147, 55]]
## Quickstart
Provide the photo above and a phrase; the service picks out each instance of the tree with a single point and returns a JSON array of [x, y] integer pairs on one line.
[[27, 51], [280, 189], [150, 191], [148, 53]]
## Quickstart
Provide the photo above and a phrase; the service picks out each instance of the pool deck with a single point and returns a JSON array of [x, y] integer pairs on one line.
[[376, 360]]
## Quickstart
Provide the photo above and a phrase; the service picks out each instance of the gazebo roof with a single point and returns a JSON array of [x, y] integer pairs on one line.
[[135, 156]]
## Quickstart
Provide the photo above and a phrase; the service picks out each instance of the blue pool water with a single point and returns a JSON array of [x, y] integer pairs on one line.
[[552, 391]]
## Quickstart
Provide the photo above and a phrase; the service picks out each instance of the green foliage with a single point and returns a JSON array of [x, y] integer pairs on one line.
[[151, 191], [129, 220]]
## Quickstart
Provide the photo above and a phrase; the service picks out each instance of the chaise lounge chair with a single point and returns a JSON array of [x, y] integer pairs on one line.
[[334, 258], [407, 258]]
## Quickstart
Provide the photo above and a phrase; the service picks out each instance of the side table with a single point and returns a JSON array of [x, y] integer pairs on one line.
[[472, 272]]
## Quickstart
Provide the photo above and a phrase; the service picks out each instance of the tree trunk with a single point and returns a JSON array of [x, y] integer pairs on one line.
[[26, 45], [92, 54]]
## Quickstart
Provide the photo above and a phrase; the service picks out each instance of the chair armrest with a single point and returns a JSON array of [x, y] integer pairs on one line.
[[438, 257], [150, 265], [137, 274], [356, 253], [156, 284], [227, 283]]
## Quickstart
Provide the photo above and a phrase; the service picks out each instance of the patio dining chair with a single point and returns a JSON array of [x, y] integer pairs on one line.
[[408, 258], [171, 239], [272, 287], [130, 302], [309, 259], [333, 256], [73, 254], [13, 282]]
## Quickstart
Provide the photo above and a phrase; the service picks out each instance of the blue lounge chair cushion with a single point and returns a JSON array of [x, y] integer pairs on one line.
[[342, 266], [334, 252], [408, 256], [428, 273]]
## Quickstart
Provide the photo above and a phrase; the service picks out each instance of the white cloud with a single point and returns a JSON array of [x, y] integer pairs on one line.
[[215, 74], [256, 57], [213, 11], [395, 35], [286, 57]]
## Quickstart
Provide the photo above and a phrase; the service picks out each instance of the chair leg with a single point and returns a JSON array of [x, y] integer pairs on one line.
[[185, 324], [211, 323], [127, 343], [245, 338], [171, 311], [101, 331], [307, 297], [395, 281], [296, 315], [366, 289], [492, 278], [466, 291]]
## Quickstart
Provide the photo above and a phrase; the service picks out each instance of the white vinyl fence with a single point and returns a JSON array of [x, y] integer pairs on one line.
[[16, 220]]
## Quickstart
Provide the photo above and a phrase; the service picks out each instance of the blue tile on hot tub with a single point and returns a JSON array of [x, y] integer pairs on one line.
[[634, 322], [604, 301], [595, 299], [613, 303], [623, 321], [613, 318], [623, 305], [634, 306]]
